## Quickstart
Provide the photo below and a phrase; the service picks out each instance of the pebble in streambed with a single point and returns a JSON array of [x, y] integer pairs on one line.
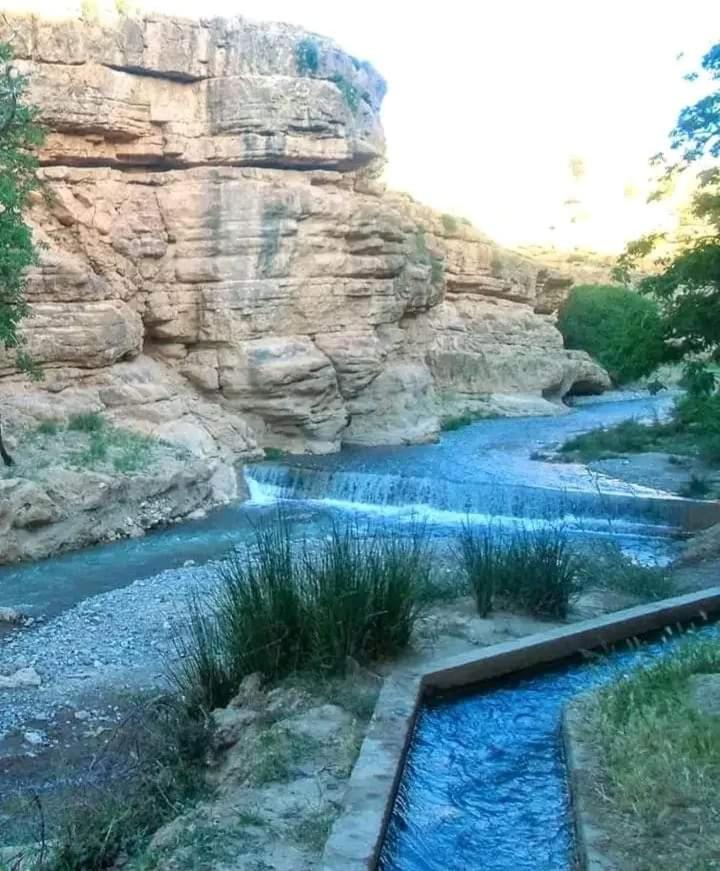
[[118, 641]]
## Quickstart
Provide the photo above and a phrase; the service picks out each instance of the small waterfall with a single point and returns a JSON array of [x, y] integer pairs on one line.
[[441, 499]]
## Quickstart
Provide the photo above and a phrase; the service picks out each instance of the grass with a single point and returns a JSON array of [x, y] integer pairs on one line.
[[284, 608], [536, 570], [629, 436], [87, 422], [457, 421], [276, 753], [660, 762], [482, 561], [312, 833], [608, 568], [163, 752], [697, 487], [87, 441], [693, 430], [48, 428]]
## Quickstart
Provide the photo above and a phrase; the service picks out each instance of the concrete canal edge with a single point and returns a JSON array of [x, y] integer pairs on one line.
[[591, 849], [357, 836]]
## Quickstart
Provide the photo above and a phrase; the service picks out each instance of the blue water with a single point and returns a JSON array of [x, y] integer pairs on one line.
[[485, 783], [483, 473]]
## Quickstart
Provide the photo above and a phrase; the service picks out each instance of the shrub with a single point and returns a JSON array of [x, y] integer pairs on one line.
[[458, 421], [450, 223], [710, 449], [201, 670], [621, 329], [483, 563], [696, 488], [307, 55], [699, 413], [365, 595], [437, 270], [86, 422], [97, 449], [348, 90], [47, 427], [284, 608]]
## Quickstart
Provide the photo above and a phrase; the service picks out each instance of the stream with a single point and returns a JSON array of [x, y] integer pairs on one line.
[[483, 473]]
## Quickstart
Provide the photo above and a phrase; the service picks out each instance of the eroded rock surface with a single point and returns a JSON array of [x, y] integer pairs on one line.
[[223, 267]]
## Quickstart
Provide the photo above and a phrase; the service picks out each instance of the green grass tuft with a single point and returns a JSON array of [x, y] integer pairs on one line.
[[284, 608], [48, 427], [536, 570], [86, 422], [608, 568]]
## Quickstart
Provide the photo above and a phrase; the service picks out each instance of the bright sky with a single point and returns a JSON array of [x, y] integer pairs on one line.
[[489, 99]]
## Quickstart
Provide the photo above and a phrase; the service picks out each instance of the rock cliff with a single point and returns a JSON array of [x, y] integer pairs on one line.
[[222, 266]]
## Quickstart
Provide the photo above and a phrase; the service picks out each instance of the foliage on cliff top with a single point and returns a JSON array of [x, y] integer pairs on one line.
[[20, 135], [621, 329]]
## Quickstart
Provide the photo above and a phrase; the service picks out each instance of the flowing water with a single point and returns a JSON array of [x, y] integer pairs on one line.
[[485, 782], [483, 473]]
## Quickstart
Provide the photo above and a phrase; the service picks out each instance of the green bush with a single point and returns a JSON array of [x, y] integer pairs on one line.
[[699, 414], [283, 608], [450, 223], [696, 488], [457, 421], [86, 422], [307, 55], [622, 330], [348, 90], [710, 449], [47, 427]]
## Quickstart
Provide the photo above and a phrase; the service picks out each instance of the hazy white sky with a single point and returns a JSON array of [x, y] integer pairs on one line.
[[488, 100]]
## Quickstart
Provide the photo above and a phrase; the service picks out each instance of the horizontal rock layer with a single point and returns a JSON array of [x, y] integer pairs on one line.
[[222, 266]]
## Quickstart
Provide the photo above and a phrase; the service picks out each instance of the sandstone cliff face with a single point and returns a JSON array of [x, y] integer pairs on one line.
[[223, 267]]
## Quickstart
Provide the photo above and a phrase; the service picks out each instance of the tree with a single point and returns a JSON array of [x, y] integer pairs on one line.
[[688, 283], [20, 135], [617, 326]]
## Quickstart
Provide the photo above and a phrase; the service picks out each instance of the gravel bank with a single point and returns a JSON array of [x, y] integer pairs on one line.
[[115, 641]]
